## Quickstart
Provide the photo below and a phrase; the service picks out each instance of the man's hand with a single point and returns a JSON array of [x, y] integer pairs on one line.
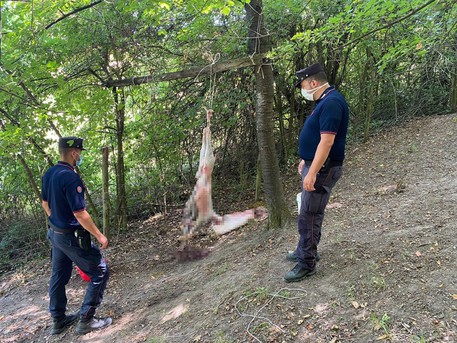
[[87, 223], [102, 240], [300, 166], [309, 181]]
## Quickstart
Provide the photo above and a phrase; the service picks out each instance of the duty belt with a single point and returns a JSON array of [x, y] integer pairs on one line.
[[328, 163], [59, 230]]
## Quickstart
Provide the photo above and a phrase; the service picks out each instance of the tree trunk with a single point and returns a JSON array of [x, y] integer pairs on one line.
[[282, 131], [30, 177], [95, 214], [453, 98], [259, 43], [121, 208], [106, 202], [33, 184]]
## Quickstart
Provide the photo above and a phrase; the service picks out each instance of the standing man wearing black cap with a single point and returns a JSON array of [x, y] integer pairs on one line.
[[322, 143], [70, 226]]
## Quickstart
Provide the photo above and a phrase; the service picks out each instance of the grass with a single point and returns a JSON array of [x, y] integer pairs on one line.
[[259, 294], [220, 338], [350, 292], [417, 339], [378, 282], [381, 323], [222, 269]]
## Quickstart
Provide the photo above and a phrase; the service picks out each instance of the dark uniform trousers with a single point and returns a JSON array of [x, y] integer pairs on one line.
[[312, 214], [65, 250]]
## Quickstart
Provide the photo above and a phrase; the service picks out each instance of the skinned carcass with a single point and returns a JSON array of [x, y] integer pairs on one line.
[[199, 208]]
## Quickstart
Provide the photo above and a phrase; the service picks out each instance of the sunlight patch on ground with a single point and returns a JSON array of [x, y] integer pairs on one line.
[[175, 312], [23, 320]]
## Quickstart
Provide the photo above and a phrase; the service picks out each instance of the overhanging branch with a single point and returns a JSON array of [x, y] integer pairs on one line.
[[192, 72], [73, 12], [387, 25]]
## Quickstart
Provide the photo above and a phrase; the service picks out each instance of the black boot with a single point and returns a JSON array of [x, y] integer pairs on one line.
[[60, 324], [298, 273], [92, 324]]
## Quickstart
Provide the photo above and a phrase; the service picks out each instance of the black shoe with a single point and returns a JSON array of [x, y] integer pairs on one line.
[[298, 273], [92, 324], [60, 324], [292, 257]]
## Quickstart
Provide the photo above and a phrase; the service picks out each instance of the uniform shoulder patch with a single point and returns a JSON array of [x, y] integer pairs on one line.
[[79, 189]]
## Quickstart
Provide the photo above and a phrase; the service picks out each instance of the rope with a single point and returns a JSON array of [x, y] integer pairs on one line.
[[212, 78]]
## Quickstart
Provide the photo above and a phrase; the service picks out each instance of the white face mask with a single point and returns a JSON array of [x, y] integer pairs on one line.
[[308, 94]]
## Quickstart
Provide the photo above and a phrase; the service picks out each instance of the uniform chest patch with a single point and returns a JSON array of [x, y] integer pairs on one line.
[[79, 189]]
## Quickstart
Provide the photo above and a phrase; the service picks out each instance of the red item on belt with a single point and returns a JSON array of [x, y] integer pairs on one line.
[[83, 275]]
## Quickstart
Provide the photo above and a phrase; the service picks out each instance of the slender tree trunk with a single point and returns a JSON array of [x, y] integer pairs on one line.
[[95, 213], [453, 98], [30, 177], [106, 201], [259, 43], [34, 187], [121, 208], [282, 131]]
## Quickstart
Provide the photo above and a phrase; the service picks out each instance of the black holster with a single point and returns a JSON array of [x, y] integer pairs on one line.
[[83, 237]]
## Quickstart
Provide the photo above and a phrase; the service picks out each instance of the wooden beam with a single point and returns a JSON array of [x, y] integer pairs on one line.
[[192, 72]]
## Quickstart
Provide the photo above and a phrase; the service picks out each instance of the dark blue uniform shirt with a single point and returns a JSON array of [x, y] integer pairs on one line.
[[330, 115], [63, 189]]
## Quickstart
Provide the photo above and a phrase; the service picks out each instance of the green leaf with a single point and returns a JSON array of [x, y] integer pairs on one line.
[[226, 10]]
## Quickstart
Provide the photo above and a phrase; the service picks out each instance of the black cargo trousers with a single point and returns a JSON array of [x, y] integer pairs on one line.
[[312, 213]]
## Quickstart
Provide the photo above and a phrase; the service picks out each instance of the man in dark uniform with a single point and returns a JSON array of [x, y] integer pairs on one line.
[[322, 143], [69, 234]]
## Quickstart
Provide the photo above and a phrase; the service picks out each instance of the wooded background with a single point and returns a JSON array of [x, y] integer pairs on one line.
[[134, 77]]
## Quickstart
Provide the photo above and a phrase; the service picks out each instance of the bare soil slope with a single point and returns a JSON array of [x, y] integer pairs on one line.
[[387, 271]]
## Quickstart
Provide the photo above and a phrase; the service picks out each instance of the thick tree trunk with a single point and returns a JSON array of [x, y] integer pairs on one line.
[[121, 208], [259, 43]]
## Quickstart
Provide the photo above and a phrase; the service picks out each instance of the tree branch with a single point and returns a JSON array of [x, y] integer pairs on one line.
[[192, 72], [73, 12], [387, 25]]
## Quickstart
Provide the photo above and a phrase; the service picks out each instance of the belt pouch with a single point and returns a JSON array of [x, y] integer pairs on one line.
[[83, 237]]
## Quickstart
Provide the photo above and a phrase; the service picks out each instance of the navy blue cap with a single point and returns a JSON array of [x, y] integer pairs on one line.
[[307, 72], [71, 142]]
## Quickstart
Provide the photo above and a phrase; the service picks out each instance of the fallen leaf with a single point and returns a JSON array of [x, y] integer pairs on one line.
[[355, 304], [454, 296]]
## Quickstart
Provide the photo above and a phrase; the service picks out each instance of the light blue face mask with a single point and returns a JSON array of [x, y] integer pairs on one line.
[[78, 162]]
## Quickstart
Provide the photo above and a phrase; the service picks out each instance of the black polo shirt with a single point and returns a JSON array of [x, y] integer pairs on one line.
[[63, 189], [330, 115]]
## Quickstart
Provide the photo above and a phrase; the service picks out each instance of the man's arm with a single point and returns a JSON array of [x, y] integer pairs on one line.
[[87, 223], [46, 208], [323, 149]]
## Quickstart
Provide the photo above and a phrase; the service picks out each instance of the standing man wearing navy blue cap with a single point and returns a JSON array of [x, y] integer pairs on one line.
[[70, 226], [321, 148]]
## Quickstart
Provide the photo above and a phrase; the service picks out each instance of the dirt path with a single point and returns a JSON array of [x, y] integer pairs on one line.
[[387, 270]]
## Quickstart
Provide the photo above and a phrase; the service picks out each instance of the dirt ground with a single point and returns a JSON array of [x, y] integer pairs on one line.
[[387, 271]]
